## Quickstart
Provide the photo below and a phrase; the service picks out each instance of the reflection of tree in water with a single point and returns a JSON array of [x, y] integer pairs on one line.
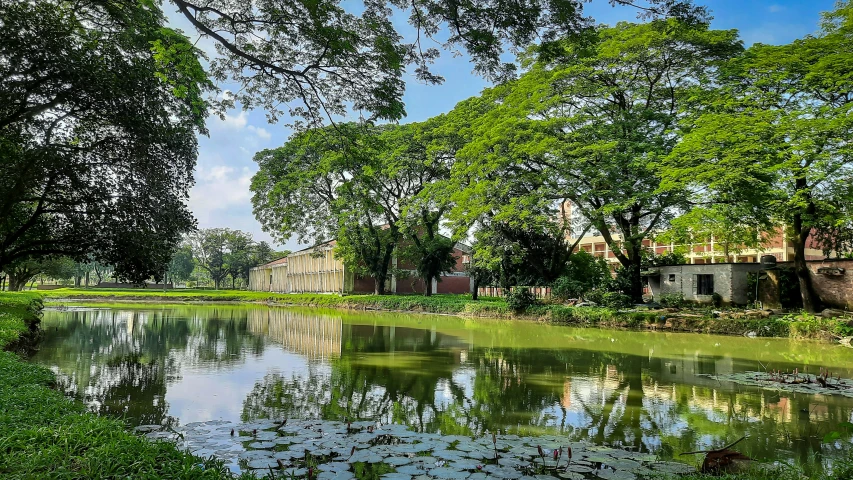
[[119, 362], [435, 383]]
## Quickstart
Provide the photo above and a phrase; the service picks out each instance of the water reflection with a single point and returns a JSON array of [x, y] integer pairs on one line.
[[632, 389]]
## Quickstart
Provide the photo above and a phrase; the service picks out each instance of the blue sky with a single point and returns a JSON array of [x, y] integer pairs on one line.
[[221, 196]]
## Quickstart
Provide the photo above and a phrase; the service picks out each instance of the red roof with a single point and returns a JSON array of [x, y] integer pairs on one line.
[[280, 261]]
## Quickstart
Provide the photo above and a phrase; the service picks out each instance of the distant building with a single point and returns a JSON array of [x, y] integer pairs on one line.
[[707, 252], [316, 270], [699, 282]]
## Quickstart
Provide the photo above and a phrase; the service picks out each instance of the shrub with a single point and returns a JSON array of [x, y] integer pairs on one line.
[[520, 299], [565, 288], [671, 300], [717, 299], [596, 296], [616, 300]]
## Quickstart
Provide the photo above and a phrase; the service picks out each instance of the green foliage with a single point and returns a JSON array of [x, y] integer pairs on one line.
[[717, 299], [651, 260], [671, 300], [728, 224], [616, 300], [565, 288], [367, 52], [519, 299], [99, 114], [774, 140], [356, 183], [581, 126], [182, 265]]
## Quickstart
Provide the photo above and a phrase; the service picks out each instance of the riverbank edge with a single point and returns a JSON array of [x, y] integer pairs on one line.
[[816, 328], [44, 434]]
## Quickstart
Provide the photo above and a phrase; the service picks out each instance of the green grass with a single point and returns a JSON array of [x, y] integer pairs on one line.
[[490, 307], [45, 435]]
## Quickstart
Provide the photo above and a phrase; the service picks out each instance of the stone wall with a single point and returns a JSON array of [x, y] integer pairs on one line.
[[835, 290]]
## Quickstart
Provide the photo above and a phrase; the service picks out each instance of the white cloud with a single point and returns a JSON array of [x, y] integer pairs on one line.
[[218, 189], [775, 8], [235, 122], [260, 132]]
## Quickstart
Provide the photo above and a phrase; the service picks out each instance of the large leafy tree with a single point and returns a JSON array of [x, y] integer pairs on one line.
[[210, 250], [99, 112], [356, 183], [586, 125], [777, 138], [320, 57]]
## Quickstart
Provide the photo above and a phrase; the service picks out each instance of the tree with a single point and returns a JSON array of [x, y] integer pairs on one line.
[[182, 265], [586, 125], [99, 112], [239, 258], [519, 255], [318, 58], [721, 224], [432, 255], [355, 183], [210, 247], [23, 271], [776, 138]]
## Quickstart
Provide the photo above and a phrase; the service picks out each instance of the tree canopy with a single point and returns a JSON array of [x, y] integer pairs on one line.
[[585, 125], [99, 112], [775, 138], [315, 59]]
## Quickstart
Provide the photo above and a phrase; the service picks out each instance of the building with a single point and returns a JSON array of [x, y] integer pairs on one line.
[[708, 252], [316, 270], [699, 282]]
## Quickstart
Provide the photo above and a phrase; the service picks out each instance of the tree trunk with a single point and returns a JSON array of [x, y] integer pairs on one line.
[[474, 290], [428, 286], [14, 284], [216, 283], [233, 283], [87, 279], [379, 285], [811, 300]]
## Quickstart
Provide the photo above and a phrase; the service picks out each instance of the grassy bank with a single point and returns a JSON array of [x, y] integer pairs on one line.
[[699, 321], [45, 435]]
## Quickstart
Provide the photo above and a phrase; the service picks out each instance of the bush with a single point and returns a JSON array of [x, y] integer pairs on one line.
[[671, 300], [717, 299], [616, 300], [520, 299], [595, 296], [565, 288]]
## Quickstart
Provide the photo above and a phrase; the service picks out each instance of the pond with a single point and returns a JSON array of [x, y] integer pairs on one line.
[[643, 391]]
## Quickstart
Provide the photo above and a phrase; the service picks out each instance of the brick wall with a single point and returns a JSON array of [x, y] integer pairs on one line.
[[454, 285]]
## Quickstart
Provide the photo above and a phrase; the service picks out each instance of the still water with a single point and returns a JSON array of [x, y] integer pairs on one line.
[[639, 390]]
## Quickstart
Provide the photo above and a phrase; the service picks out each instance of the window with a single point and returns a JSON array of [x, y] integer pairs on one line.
[[704, 284], [270, 279], [671, 277]]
